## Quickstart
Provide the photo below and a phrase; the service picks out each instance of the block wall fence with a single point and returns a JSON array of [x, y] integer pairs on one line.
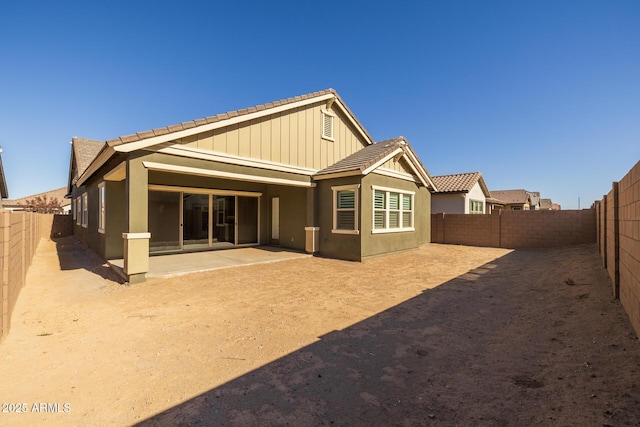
[[20, 233], [618, 231], [516, 229]]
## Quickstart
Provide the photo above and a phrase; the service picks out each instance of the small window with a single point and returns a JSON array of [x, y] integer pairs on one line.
[[476, 207], [392, 210], [101, 208], [85, 211], [78, 214], [327, 125], [345, 209]]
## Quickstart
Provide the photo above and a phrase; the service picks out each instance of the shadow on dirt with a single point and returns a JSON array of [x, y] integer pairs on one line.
[[74, 255], [504, 344]]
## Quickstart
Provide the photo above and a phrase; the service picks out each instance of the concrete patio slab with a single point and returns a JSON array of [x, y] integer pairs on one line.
[[163, 266]]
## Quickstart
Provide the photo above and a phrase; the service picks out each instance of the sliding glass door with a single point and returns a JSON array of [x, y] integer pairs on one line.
[[164, 221], [224, 220], [195, 221], [182, 220]]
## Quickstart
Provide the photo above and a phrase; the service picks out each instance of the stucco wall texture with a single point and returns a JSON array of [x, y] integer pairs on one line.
[[619, 241]]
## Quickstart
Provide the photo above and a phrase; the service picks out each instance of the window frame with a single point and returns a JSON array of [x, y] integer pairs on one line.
[[102, 223], [480, 203], [78, 213], [85, 210], [387, 210], [356, 226], [328, 115]]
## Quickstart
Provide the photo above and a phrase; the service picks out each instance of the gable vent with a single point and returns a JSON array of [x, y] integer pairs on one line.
[[327, 125]]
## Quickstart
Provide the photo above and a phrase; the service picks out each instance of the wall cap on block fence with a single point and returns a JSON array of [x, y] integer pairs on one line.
[[132, 236]]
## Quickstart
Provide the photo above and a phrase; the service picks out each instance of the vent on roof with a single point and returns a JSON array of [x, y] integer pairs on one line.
[[327, 125]]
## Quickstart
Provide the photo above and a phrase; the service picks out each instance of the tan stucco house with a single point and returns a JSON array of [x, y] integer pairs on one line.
[[462, 193], [300, 173]]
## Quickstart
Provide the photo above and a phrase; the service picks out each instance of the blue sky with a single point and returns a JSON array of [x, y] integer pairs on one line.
[[541, 95]]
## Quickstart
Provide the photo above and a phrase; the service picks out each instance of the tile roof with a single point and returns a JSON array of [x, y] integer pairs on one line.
[[458, 183], [511, 196], [58, 194], [364, 158], [494, 201], [85, 150], [224, 116]]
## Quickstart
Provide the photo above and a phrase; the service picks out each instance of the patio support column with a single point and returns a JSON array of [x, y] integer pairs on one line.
[[312, 233], [136, 240]]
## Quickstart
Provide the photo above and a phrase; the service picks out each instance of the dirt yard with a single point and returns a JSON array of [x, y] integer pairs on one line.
[[441, 336]]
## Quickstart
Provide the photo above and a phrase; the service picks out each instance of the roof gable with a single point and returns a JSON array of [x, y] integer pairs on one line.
[[373, 156], [511, 196], [164, 134], [84, 152], [160, 137]]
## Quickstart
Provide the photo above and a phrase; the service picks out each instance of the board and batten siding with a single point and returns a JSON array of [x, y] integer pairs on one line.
[[293, 137], [397, 166]]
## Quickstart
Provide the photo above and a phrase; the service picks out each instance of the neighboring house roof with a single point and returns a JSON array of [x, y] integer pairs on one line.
[[372, 156], [460, 183], [511, 196], [546, 204], [494, 201], [4, 193], [535, 197], [141, 140], [58, 193]]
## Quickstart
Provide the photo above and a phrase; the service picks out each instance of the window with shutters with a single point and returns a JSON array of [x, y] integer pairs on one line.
[[392, 210], [345, 209], [327, 125]]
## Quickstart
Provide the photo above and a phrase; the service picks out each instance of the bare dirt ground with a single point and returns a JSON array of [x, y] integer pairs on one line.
[[444, 335]]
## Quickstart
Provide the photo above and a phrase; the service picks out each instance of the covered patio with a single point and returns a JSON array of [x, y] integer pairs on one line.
[[163, 266]]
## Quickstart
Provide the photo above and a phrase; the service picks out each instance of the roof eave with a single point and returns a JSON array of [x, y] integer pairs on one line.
[[96, 164]]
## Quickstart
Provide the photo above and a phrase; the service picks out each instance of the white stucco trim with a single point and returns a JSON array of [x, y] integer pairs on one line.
[[395, 174], [227, 175], [133, 236]]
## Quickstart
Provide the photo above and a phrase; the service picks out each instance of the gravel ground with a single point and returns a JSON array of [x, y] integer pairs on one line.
[[443, 335]]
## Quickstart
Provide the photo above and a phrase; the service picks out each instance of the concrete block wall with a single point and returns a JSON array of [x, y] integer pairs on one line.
[[20, 233], [516, 229], [619, 228]]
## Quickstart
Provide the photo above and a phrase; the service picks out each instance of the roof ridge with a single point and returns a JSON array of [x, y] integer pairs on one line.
[[227, 115]]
